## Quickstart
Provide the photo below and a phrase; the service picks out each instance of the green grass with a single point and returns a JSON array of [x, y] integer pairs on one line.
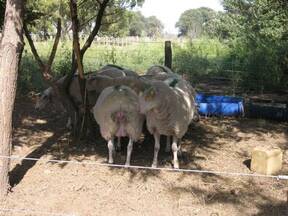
[[200, 58], [138, 56]]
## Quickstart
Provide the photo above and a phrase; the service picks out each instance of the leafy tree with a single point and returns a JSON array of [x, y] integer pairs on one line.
[[257, 33], [260, 19], [114, 18], [192, 22], [136, 24], [153, 27]]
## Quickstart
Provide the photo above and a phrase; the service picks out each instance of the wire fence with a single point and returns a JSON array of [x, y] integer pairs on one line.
[[195, 171], [33, 212], [205, 67], [140, 53]]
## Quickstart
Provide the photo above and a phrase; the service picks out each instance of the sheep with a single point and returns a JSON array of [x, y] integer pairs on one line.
[[187, 87], [130, 73], [95, 84], [158, 70], [98, 83], [127, 72], [45, 97], [172, 79], [168, 112], [162, 73], [48, 95], [117, 113], [111, 72]]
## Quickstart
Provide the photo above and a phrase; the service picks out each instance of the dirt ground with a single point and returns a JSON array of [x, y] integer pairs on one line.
[[41, 188]]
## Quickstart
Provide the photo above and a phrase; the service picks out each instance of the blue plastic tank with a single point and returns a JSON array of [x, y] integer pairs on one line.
[[211, 105]]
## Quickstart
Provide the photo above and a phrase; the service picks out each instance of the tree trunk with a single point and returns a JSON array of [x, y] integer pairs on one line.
[[11, 50]]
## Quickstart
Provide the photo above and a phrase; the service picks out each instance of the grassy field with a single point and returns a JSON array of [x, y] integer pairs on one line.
[[198, 58]]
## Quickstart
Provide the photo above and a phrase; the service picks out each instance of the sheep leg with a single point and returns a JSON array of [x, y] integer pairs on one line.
[[168, 144], [69, 123], [118, 146], [111, 150], [175, 151], [129, 151], [156, 149]]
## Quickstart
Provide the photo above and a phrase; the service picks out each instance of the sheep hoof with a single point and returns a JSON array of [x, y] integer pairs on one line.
[[154, 165], [110, 161], [176, 165], [127, 165]]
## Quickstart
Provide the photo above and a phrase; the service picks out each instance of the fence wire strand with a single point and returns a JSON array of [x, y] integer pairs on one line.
[[233, 174], [34, 212]]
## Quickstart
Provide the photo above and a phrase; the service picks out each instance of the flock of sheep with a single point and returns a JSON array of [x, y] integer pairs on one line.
[[122, 101]]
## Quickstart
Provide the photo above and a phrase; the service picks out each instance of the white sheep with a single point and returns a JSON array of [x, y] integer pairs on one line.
[[111, 72], [48, 96], [98, 83], [117, 113], [162, 73], [127, 72], [168, 112], [158, 70]]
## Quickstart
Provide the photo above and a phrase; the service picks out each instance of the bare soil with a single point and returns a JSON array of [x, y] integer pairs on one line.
[[220, 144]]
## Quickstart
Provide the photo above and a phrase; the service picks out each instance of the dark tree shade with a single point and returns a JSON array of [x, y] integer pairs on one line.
[[2, 12]]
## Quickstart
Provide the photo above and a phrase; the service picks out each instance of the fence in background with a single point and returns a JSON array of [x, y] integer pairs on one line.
[[208, 73]]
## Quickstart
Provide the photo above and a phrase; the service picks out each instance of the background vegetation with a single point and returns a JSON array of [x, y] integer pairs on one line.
[[248, 42]]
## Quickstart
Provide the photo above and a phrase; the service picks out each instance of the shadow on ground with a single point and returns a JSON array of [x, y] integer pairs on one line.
[[45, 134]]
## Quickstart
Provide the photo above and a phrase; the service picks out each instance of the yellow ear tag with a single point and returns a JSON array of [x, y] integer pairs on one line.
[[150, 94]]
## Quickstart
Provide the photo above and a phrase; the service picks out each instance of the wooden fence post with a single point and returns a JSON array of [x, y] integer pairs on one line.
[[168, 54]]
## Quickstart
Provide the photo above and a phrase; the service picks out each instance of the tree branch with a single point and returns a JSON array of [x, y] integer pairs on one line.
[[32, 46], [76, 45], [45, 68], [96, 28], [55, 45], [99, 2]]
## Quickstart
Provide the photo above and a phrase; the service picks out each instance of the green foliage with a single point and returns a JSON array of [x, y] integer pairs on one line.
[[42, 17], [203, 57], [138, 57], [44, 14], [30, 77], [256, 32], [139, 26], [136, 24], [135, 56], [153, 26], [192, 22]]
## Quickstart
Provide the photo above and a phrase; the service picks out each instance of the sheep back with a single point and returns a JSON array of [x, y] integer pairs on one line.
[[158, 70], [111, 72]]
